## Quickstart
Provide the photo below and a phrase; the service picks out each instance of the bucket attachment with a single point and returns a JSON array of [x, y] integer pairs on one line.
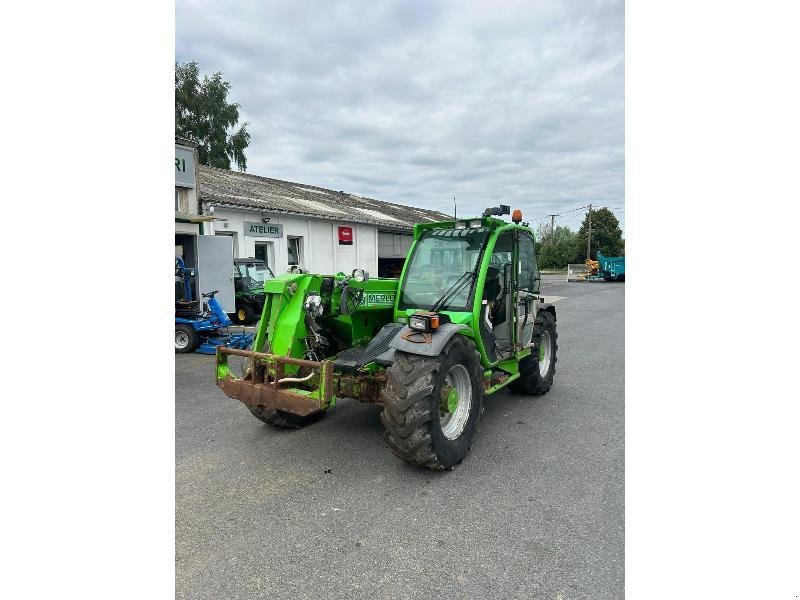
[[266, 384]]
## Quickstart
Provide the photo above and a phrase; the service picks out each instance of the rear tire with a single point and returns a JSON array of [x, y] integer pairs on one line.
[[186, 339], [536, 375], [418, 427]]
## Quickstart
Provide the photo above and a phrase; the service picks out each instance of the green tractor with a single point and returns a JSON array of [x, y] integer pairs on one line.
[[249, 275], [464, 320]]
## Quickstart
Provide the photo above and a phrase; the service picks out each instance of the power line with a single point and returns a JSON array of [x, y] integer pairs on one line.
[[571, 220], [561, 213], [572, 210], [576, 209]]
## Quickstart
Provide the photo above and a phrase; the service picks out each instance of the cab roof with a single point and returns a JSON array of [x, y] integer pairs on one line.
[[248, 261]]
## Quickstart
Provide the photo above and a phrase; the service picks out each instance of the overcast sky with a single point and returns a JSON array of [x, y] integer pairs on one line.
[[516, 102]]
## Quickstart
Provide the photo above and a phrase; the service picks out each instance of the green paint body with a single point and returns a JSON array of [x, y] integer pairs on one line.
[[283, 328], [452, 400]]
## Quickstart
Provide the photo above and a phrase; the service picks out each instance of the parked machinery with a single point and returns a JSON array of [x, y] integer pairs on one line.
[[604, 269], [201, 328], [612, 268], [249, 275]]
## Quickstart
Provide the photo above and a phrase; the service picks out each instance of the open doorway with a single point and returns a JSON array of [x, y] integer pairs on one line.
[[265, 252], [294, 245], [186, 250]]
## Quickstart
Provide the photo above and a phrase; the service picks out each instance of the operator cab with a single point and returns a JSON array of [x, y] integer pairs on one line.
[[443, 272], [250, 273]]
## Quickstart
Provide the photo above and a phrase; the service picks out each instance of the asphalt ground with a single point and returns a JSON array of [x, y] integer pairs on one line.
[[535, 511]]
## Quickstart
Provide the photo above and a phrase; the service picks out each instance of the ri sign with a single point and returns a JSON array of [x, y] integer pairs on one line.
[[184, 166]]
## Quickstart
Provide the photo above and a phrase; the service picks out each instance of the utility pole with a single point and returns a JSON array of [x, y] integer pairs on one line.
[[589, 237], [552, 224]]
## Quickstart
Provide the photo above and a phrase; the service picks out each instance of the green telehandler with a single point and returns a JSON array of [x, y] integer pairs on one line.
[[464, 320]]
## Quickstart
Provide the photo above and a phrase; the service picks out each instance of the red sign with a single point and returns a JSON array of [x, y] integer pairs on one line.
[[346, 236]]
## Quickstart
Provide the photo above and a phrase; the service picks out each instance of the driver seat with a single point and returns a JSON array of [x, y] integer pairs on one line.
[[491, 286]]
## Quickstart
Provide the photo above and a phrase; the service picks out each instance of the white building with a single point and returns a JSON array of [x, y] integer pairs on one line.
[[321, 230]]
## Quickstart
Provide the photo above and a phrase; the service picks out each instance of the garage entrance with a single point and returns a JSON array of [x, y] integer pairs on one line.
[[186, 249]]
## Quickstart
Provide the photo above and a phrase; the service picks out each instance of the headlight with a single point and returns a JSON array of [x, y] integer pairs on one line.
[[313, 305], [475, 223], [424, 321]]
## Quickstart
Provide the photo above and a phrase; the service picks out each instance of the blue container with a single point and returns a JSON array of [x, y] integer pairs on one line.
[[612, 268]]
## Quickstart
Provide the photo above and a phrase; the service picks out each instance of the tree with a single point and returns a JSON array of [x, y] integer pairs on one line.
[[556, 248], [204, 116], [606, 236]]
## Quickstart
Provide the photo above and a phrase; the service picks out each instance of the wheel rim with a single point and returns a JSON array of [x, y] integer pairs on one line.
[[545, 351], [457, 394], [181, 339], [241, 313]]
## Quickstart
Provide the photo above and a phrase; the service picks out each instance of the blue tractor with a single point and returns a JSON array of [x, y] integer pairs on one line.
[[201, 329]]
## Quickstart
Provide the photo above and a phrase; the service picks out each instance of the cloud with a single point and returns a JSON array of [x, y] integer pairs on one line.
[[417, 102]]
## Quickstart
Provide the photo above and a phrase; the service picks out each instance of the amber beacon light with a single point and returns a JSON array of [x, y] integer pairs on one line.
[[517, 216]]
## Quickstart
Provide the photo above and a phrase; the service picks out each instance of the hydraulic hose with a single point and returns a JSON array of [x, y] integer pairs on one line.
[[296, 379]]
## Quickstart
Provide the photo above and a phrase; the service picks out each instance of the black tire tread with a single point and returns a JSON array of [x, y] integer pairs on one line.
[[251, 314], [281, 419], [529, 381], [406, 406], [194, 338]]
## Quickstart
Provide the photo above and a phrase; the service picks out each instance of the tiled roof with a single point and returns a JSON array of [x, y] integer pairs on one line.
[[243, 190]]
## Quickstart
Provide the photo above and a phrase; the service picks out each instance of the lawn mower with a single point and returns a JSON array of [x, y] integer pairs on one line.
[[201, 330]]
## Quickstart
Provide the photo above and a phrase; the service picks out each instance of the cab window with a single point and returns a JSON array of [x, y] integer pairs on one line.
[[528, 269]]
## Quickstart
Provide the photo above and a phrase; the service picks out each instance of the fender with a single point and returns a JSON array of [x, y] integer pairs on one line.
[[439, 337], [548, 307]]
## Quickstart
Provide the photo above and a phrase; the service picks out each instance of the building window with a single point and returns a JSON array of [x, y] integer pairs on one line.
[[295, 248], [263, 250], [177, 201]]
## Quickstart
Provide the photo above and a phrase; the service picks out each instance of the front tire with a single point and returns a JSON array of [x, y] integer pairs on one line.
[[282, 419], [186, 339], [432, 405], [538, 369]]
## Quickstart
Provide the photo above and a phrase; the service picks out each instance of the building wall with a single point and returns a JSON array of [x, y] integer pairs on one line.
[[321, 251], [394, 245], [187, 228]]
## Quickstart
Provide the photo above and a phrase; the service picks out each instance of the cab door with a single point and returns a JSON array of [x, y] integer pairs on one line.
[[527, 289]]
